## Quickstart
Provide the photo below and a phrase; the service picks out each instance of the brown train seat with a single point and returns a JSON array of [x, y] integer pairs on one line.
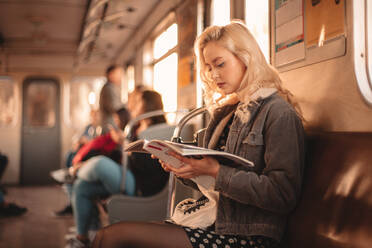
[[335, 209]]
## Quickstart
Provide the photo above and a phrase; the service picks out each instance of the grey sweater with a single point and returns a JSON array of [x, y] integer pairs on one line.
[[109, 103]]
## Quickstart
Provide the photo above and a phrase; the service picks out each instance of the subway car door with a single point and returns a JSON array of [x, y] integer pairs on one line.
[[40, 130]]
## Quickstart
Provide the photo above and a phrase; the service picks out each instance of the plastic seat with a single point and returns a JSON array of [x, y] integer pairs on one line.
[[121, 207], [131, 208]]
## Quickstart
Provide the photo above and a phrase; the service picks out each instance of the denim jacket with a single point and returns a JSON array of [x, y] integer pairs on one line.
[[257, 200]]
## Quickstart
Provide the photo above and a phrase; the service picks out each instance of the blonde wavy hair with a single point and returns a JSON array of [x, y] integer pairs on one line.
[[236, 38]]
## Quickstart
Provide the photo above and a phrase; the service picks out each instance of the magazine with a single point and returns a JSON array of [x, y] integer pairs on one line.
[[161, 149]]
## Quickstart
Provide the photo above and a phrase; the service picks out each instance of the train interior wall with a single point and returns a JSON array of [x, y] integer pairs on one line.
[[327, 91]]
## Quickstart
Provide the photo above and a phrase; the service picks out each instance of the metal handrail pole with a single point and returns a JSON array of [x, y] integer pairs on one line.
[[177, 138]]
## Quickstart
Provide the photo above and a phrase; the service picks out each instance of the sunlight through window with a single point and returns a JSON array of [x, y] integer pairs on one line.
[[165, 70], [220, 12], [166, 41], [165, 81], [130, 78], [84, 96], [7, 101], [257, 20]]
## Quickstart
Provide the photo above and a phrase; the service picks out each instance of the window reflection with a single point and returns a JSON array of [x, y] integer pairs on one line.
[[7, 101], [84, 96], [40, 107]]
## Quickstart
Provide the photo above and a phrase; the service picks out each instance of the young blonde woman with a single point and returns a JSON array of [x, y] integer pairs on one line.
[[252, 116]]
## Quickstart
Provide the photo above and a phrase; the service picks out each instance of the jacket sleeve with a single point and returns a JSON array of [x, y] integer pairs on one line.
[[277, 188]]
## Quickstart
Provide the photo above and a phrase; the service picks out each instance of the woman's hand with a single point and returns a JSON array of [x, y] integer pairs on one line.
[[192, 167]]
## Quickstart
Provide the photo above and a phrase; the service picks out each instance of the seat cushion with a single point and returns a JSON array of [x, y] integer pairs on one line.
[[335, 209]]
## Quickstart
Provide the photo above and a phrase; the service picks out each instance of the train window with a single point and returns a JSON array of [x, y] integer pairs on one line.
[[165, 81], [165, 66], [84, 96], [7, 101], [40, 110], [165, 41], [220, 12], [129, 73], [362, 50], [257, 20]]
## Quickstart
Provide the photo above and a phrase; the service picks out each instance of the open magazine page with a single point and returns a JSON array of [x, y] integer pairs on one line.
[[188, 150], [161, 149], [136, 146]]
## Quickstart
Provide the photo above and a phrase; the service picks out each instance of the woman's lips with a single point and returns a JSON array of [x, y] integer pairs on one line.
[[220, 85]]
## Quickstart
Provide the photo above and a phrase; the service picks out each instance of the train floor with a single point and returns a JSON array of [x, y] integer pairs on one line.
[[38, 227]]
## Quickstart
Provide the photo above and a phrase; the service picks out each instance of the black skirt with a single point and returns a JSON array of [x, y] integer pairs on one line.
[[200, 238]]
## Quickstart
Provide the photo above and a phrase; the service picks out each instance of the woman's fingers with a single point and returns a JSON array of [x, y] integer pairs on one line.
[[153, 156], [192, 167]]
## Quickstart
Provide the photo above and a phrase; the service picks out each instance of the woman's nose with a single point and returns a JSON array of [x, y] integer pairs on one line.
[[215, 74]]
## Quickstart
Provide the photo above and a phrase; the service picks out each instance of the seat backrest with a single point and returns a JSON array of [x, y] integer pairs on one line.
[[129, 208], [335, 209], [161, 131], [152, 208]]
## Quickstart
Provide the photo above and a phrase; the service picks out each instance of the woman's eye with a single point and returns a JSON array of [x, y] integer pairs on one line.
[[221, 64]]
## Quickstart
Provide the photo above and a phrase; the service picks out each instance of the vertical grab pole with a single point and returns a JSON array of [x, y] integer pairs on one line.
[[177, 138]]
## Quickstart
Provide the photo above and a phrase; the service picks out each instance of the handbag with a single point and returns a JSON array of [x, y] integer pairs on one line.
[[200, 213]]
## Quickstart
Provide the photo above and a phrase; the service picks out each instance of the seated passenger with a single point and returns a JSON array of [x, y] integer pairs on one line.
[[91, 131], [104, 144], [254, 119], [100, 176], [8, 209]]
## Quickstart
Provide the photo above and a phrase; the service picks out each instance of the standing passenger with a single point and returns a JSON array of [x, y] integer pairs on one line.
[[253, 119], [110, 100]]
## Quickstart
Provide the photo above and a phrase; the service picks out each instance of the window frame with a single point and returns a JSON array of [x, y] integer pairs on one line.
[[149, 61], [16, 96]]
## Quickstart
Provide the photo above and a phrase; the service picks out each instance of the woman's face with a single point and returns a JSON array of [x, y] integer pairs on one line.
[[226, 70]]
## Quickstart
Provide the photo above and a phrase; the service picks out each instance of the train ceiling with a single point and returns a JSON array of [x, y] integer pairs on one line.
[[66, 34]]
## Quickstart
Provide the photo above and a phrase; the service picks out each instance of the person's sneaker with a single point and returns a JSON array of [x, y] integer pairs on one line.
[[75, 243], [65, 212], [3, 189], [11, 209], [91, 235]]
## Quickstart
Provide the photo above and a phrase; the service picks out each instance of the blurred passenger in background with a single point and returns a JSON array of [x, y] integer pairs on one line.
[[104, 144], [110, 100], [7, 209], [100, 177], [91, 131]]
